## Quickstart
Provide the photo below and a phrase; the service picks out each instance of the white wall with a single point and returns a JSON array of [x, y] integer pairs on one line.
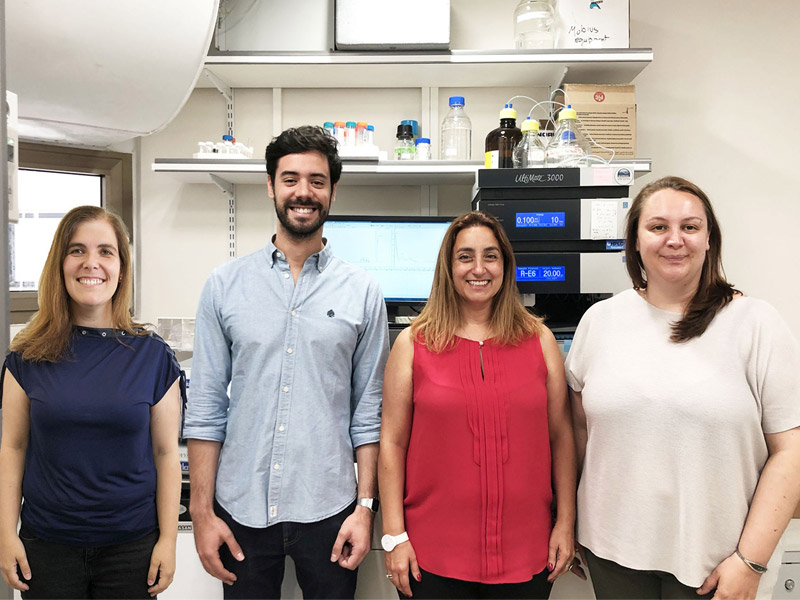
[[715, 106], [718, 106]]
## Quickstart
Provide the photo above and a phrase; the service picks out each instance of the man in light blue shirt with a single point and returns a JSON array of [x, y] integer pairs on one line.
[[301, 338]]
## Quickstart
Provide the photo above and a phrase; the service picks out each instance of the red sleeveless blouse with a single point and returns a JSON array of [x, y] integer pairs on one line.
[[478, 491]]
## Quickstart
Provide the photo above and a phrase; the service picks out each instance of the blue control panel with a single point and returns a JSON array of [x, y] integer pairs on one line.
[[541, 219], [548, 273]]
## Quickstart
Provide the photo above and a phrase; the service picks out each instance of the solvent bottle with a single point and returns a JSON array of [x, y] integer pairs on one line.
[[456, 139], [500, 142], [404, 146], [529, 153], [533, 25], [568, 148]]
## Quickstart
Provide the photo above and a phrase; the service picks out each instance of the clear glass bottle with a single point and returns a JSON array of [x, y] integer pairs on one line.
[[568, 148], [534, 25], [404, 146], [456, 140], [529, 153], [500, 142]]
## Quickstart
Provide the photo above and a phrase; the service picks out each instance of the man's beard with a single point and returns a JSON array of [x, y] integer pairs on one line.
[[304, 231]]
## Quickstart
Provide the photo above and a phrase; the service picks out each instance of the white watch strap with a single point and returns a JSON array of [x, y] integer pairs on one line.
[[368, 503]]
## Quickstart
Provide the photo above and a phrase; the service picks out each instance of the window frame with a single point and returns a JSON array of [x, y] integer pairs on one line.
[[116, 193]]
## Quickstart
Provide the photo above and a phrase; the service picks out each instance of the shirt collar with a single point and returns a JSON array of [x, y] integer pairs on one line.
[[321, 259]]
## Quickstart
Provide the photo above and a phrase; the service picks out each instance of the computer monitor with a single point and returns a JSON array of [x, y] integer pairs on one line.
[[400, 252]]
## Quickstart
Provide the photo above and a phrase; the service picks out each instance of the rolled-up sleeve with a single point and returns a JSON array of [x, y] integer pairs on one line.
[[369, 361], [207, 410]]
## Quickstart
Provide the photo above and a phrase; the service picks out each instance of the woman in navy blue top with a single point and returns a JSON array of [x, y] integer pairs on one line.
[[91, 411]]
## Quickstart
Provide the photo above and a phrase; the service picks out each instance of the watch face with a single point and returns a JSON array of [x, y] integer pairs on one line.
[[388, 542]]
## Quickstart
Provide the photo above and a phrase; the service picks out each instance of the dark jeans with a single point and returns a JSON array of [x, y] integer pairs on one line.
[[61, 571], [435, 586], [260, 574], [611, 580]]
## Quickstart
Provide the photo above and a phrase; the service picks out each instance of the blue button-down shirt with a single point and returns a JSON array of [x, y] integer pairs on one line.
[[305, 366]]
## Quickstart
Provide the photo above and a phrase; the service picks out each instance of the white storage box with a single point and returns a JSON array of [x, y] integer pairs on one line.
[[392, 25], [598, 24]]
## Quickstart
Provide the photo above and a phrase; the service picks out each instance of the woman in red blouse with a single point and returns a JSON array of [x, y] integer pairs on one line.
[[476, 438]]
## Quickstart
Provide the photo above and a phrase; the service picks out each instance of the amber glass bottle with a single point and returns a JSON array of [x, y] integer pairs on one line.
[[500, 142]]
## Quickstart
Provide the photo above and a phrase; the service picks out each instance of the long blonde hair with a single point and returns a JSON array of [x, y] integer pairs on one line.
[[46, 337], [437, 323]]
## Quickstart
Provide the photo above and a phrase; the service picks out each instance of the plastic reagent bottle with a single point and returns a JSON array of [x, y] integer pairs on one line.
[[404, 146], [338, 132], [227, 144], [529, 153], [533, 25], [568, 148], [369, 135], [423, 149], [350, 133], [361, 130], [500, 142], [456, 140]]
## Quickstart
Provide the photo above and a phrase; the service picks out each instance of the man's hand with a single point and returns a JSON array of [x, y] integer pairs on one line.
[[210, 533], [354, 539]]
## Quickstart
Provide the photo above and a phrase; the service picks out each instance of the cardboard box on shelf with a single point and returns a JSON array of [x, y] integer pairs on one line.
[[608, 114], [598, 24]]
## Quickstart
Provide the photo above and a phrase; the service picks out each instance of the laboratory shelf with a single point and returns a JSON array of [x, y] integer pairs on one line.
[[454, 68], [387, 172]]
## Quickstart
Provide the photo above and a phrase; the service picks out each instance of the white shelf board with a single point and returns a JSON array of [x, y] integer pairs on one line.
[[389, 172], [456, 68]]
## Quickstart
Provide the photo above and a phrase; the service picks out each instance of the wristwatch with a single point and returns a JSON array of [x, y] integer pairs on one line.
[[370, 503], [390, 542]]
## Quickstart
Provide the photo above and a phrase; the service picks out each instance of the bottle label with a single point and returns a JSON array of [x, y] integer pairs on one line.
[[404, 152], [491, 159]]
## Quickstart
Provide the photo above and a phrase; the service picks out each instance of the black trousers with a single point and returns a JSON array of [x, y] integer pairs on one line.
[[434, 586], [61, 571], [260, 574], [611, 580]]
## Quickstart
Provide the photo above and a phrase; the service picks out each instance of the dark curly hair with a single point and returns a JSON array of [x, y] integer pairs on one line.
[[306, 138]]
